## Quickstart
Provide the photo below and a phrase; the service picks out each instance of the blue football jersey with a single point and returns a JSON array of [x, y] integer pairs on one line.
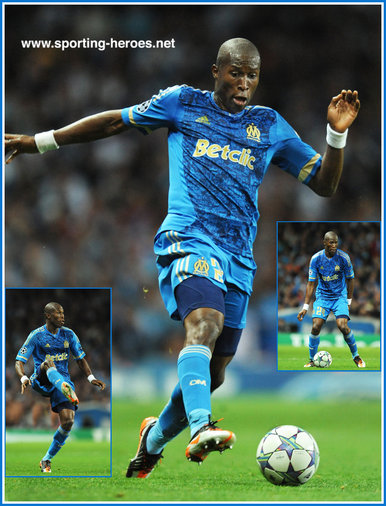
[[331, 274], [41, 344], [217, 161]]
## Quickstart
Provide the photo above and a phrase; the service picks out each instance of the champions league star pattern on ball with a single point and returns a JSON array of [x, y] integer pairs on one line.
[[288, 455]]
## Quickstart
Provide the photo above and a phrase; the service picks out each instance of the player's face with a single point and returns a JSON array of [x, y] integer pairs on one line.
[[236, 82], [56, 317], [330, 246]]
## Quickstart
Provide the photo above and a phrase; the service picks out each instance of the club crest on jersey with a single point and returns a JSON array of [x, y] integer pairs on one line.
[[253, 132], [201, 267], [65, 344]]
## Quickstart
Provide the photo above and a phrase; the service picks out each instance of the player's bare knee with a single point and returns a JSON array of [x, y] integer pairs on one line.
[[315, 331], [67, 419], [67, 424], [204, 328], [343, 327]]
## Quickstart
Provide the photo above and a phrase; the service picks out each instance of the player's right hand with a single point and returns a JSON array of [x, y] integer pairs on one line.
[[302, 314], [24, 385], [16, 144]]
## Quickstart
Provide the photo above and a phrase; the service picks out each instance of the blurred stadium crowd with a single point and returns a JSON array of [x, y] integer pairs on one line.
[[86, 215], [87, 313], [297, 242]]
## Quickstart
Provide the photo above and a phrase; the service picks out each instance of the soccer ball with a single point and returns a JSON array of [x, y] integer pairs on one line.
[[322, 359], [288, 455]]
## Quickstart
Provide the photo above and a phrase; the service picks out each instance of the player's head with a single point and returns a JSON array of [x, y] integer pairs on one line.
[[54, 314], [236, 74], [330, 242]]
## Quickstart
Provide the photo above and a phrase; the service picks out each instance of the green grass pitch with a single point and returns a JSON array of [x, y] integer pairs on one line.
[[293, 358], [348, 433], [22, 459]]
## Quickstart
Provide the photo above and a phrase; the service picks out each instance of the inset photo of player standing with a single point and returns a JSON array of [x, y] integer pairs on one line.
[[328, 296], [58, 406]]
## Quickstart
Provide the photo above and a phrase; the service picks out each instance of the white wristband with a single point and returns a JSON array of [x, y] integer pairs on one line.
[[91, 377], [306, 306], [336, 139], [45, 141], [24, 378], [349, 302]]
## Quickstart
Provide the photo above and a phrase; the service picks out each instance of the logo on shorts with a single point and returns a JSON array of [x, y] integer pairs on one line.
[[201, 267], [65, 344]]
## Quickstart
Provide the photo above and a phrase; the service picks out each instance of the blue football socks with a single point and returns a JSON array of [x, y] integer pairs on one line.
[[313, 344], [55, 378], [58, 441], [193, 397], [171, 422], [194, 374], [350, 340]]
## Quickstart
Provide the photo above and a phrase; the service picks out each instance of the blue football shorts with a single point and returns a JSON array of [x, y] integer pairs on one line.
[[322, 308], [181, 257], [41, 384], [196, 292]]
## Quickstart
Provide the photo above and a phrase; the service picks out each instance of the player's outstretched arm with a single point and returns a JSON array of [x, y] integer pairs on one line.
[[24, 380], [341, 113], [309, 291], [91, 128], [85, 368]]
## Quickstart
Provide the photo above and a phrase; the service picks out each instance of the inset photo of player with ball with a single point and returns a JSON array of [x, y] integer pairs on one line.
[[328, 295]]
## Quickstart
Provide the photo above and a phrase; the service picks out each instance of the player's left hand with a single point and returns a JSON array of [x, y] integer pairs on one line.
[[343, 110], [98, 383], [24, 385]]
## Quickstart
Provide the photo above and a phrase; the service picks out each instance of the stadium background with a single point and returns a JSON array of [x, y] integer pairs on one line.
[[86, 215]]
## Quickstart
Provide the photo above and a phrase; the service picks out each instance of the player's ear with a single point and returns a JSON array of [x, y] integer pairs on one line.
[[214, 71]]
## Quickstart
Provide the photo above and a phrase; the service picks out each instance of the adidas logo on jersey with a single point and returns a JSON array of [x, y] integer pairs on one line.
[[203, 119], [47, 345]]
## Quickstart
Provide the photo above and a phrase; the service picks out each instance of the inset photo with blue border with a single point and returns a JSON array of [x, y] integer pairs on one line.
[[328, 285], [57, 382]]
